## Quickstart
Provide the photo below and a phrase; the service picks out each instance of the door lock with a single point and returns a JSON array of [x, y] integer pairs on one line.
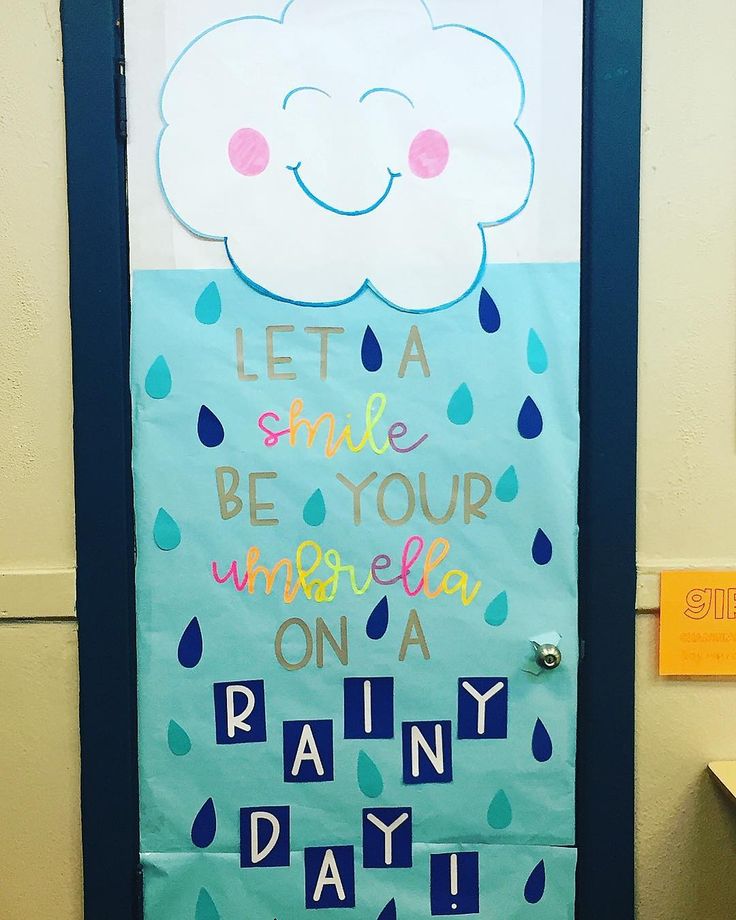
[[549, 656]]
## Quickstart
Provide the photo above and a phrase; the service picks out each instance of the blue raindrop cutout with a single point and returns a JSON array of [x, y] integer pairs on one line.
[[500, 814], [190, 645], [490, 318], [209, 305], [530, 421], [535, 884], [536, 354], [507, 487], [204, 826], [206, 909], [541, 548], [389, 911], [209, 428], [370, 351], [498, 610], [179, 741], [460, 407], [158, 379], [377, 623], [541, 743], [314, 509], [166, 533], [370, 781]]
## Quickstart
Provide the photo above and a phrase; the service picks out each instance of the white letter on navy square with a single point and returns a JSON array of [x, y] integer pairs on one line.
[[265, 837], [482, 707], [387, 838], [369, 707], [427, 752], [329, 877], [308, 752], [454, 884], [240, 712]]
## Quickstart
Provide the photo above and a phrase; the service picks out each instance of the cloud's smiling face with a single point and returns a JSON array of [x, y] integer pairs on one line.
[[337, 148]]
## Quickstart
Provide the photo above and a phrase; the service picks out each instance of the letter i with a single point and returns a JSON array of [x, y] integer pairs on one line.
[[368, 707]]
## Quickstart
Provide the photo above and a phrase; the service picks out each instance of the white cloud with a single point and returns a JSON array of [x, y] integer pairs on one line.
[[338, 203]]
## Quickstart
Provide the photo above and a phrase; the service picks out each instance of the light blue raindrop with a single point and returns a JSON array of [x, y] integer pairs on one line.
[[206, 909], [179, 741], [209, 305], [500, 814], [314, 509], [536, 354], [460, 407], [498, 610], [158, 379], [166, 533], [370, 780], [507, 487]]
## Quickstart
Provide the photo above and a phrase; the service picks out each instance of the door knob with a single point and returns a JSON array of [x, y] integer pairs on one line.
[[549, 656]]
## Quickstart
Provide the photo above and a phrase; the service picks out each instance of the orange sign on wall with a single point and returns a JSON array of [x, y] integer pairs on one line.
[[698, 623]]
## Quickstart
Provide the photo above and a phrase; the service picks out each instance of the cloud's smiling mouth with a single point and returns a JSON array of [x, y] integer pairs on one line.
[[392, 176]]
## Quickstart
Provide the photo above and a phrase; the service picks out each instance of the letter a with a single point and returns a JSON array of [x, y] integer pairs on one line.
[[307, 750], [329, 874]]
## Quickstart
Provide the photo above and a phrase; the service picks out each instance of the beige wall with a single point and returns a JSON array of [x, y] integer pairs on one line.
[[686, 828], [39, 754], [687, 494]]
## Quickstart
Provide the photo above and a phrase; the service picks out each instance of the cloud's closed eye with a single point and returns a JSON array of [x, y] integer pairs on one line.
[[303, 89], [385, 89]]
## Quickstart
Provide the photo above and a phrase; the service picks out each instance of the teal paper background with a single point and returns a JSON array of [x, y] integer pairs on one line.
[[173, 470]]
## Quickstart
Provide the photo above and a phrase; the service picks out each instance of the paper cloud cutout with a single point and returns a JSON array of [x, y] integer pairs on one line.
[[334, 153]]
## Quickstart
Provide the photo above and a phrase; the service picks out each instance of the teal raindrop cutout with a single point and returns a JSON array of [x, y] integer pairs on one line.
[[179, 741], [206, 909], [314, 509], [536, 354], [191, 645], [166, 533], [498, 610], [209, 305], [204, 826], [507, 487], [389, 911], [535, 884], [500, 814], [158, 379], [370, 780], [377, 623], [541, 743], [460, 407]]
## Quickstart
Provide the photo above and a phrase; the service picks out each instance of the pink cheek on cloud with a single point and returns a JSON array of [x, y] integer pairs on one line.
[[429, 154], [248, 152]]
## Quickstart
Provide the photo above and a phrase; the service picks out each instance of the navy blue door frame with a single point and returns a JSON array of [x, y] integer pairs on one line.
[[100, 310]]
